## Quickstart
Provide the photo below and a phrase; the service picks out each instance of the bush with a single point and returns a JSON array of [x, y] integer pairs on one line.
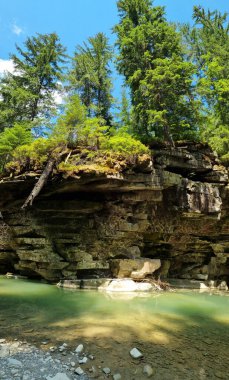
[[124, 144]]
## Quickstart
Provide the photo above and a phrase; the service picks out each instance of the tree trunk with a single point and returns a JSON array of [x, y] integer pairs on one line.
[[40, 183], [168, 136]]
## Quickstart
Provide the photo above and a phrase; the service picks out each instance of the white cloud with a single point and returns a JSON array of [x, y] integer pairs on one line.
[[16, 29], [6, 66]]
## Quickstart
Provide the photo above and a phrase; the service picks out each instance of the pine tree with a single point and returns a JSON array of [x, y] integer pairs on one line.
[[208, 43], [27, 94], [151, 60], [90, 76]]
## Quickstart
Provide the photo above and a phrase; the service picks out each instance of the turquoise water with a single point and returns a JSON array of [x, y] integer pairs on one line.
[[182, 334]]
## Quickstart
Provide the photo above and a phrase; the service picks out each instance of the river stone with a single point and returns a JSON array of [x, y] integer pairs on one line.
[[144, 287], [135, 353], [223, 286], [14, 362], [117, 376], [121, 286], [79, 371], [106, 370], [148, 370], [58, 376], [79, 349], [83, 361]]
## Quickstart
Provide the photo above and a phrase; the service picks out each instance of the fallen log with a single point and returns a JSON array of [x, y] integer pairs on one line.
[[40, 183]]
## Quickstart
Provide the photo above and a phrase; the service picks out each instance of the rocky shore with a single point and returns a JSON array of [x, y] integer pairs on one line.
[[23, 361]]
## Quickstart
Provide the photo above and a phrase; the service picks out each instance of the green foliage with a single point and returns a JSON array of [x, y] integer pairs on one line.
[[125, 144], [124, 116], [27, 94], [90, 76], [208, 48], [151, 59], [33, 156], [217, 136], [177, 91], [74, 128], [12, 138], [70, 124]]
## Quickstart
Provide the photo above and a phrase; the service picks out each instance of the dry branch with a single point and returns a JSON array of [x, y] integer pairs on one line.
[[40, 183]]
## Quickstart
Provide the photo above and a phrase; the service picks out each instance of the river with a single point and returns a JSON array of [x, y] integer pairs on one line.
[[182, 334]]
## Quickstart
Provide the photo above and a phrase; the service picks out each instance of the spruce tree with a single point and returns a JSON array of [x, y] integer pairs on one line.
[[208, 49], [27, 94], [151, 60], [90, 76]]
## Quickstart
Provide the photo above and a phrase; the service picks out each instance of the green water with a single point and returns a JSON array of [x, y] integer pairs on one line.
[[182, 334]]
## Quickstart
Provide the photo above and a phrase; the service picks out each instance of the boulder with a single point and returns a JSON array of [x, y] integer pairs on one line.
[[135, 269]]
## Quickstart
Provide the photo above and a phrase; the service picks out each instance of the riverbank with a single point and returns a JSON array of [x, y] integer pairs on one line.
[[21, 360]]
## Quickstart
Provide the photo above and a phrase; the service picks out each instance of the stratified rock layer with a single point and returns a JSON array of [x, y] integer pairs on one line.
[[168, 216]]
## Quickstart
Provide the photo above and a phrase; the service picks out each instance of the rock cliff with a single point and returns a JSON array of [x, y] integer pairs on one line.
[[168, 215]]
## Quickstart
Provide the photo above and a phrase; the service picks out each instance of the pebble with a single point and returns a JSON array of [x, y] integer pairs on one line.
[[117, 376], [14, 362], [26, 377], [83, 361], [73, 364], [59, 376], [135, 353], [148, 370], [21, 361], [14, 371], [79, 349], [2, 340], [79, 371], [106, 370], [92, 369]]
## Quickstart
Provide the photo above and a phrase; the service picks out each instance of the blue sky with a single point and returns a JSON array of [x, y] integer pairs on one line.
[[75, 20]]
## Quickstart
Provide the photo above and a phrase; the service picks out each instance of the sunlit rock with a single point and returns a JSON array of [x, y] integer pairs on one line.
[[135, 353], [136, 269]]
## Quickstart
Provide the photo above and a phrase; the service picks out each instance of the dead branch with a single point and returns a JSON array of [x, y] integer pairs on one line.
[[40, 183]]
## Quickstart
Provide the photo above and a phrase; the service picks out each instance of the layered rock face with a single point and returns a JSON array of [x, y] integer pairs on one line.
[[168, 216]]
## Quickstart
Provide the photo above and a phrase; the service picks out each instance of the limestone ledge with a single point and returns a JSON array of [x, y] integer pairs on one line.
[[167, 217]]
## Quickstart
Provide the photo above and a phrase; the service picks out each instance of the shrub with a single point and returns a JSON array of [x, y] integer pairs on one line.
[[124, 144]]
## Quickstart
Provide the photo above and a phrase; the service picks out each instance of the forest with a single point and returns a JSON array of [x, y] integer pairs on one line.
[[175, 88]]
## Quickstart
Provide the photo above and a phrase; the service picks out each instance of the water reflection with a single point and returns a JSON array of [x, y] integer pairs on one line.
[[183, 335]]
